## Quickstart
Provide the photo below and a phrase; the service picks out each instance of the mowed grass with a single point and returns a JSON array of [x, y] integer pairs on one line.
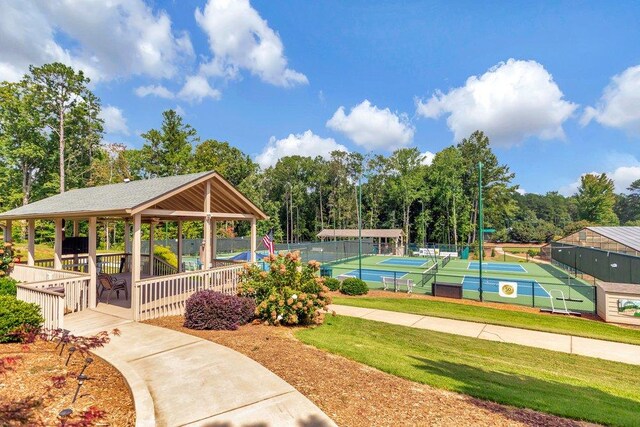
[[559, 324], [567, 385]]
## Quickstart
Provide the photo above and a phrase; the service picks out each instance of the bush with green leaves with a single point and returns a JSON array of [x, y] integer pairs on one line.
[[17, 315], [8, 286], [354, 286], [165, 254], [332, 283], [289, 293]]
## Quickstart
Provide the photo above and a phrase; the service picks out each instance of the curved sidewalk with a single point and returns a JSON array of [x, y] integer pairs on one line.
[[608, 350], [179, 379]]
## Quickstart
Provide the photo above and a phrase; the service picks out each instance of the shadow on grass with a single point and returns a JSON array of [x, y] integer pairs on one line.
[[567, 400]]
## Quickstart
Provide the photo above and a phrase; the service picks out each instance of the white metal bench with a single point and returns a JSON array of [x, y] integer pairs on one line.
[[345, 276], [387, 281]]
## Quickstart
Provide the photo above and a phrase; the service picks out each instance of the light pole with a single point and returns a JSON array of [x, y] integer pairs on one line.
[[480, 226], [424, 226], [360, 227]]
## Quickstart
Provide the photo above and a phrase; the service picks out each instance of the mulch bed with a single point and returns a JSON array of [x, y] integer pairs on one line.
[[106, 389], [353, 394]]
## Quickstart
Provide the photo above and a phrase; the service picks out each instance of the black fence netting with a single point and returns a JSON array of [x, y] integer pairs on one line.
[[602, 265]]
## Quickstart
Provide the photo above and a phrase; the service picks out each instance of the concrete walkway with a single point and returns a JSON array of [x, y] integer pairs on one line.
[[182, 380], [608, 350]]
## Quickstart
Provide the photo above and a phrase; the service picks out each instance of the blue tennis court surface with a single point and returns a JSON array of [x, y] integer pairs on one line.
[[376, 275], [497, 266], [489, 284], [409, 262]]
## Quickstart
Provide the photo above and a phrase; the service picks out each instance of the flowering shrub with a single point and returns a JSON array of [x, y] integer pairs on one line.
[[332, 283], [214, 310], [354, 286], [7, 258], [290, 293]]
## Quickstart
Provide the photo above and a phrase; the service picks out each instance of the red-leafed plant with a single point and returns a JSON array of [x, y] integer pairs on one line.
[[214, 310]]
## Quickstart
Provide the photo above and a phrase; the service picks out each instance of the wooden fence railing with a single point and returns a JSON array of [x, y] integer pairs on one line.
[[166, 296], [106, 263], [40, 285], [163, 268], [51, 304]]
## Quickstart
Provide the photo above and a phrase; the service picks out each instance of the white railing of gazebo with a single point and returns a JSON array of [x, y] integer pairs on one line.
[[166, 296], [55, 291], [51, 304]]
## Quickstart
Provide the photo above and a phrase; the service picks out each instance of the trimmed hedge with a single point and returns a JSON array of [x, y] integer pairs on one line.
[[332, 283], [214, 310], [354, 286], [15, 314], [8, 286]]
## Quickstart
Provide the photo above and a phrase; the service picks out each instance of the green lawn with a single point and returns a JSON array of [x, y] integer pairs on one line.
[[558, 323], [558, 383]]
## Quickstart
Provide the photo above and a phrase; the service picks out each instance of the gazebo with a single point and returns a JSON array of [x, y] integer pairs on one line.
[[69, 284]]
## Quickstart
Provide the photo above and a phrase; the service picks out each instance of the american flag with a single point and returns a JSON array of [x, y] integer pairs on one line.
[[267, 240]]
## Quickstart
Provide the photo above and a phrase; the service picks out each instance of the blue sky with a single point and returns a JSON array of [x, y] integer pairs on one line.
[[556, 85]]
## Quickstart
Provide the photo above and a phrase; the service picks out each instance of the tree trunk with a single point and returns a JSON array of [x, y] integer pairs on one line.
[[61, 148], [321, 215], [26, 184]]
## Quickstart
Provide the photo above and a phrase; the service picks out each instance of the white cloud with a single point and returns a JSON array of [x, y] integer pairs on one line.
[[622, 177], [155, 90], [181, 111], [240, 39], [521, 191], [372, 127], [427, 158], [510, 102], [302, 144], [107, 39], [197, 88], [114, 120], [619, 106]]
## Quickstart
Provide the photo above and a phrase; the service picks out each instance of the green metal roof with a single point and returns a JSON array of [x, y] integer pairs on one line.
[[105, 199]]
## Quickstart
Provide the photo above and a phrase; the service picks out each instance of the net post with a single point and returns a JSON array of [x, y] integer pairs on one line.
[[533, 294]]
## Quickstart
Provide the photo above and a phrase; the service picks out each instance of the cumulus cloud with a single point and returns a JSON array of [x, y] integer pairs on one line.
[[240, 39], [372, 127], [512, 101], [427, 158], [622, 177], [619, 106], [154, 90], [197, 88], [114, 120], [302, 144], [109, 39]]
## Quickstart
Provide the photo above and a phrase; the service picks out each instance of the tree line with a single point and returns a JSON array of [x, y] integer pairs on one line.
[[51, 141]]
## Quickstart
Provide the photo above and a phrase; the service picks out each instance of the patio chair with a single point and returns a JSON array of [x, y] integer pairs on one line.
[[112, 284]]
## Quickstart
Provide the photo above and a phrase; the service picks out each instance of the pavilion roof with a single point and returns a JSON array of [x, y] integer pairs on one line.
[[183, 193]]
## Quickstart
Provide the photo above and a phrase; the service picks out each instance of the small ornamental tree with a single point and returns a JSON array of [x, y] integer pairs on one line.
[[290, 293]]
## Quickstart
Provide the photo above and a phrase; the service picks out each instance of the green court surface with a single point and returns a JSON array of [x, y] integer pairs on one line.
[[537, 284]]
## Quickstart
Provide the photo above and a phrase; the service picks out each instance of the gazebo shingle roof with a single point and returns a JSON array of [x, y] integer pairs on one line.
[[119, 199]]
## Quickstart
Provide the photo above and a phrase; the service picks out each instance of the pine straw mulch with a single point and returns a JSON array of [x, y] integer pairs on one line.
[[106, 389], [353, 394]]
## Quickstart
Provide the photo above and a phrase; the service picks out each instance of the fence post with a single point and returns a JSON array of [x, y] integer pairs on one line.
[[533, 294]]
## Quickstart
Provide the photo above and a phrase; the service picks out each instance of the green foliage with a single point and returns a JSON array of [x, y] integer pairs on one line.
[[7, 258], [166, 254], [575, 226], [533, 252], [228, 161], [15, 314], [532, 229], [332, 283], [596, 199], [289, 293], [168, 150], [8, 286], [354, 286], [493, 253]]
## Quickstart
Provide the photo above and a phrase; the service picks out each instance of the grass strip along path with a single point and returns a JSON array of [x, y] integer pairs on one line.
[[539, 322], [567, 385]]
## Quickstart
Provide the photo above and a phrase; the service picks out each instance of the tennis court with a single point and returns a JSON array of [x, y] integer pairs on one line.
[[491, 284], [410, 262], [376, 275], [497, 266]]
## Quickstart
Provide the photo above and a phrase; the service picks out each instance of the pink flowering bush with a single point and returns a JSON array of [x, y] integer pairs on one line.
[[290, 293]]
